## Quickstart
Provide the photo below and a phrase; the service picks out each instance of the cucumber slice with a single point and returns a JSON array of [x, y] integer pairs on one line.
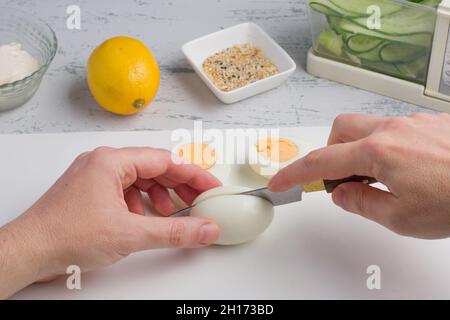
[[420, 39], [414, 70], [407, 21], [400, 53], [359, 43], [329, 9], [318, 7], [382, 67], [333, 22], [331, 41], [360, 6], [372, 55], [354, 58]]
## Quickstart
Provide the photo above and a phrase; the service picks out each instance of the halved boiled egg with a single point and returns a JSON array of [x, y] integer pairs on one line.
[[241, 218], [204, 156], [273, 154]]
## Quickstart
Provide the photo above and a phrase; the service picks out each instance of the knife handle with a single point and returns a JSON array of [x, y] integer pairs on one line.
[[330, 185]]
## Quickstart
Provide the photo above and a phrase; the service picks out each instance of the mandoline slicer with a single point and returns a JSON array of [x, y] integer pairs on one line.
[[395, 48]]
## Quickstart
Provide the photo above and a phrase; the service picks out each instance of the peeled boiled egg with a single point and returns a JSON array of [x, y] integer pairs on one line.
[[204, 156], [273, 154], [241, 218]]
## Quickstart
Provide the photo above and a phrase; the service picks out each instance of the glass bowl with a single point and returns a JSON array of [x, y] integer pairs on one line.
[[39, 40]]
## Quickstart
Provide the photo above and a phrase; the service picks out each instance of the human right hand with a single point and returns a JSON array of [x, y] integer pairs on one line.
[[410, 155]]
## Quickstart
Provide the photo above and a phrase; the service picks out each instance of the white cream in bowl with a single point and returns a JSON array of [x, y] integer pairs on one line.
[[15, 63]]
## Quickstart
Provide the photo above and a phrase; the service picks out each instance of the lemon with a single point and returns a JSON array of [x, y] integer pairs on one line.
[[123, 76]]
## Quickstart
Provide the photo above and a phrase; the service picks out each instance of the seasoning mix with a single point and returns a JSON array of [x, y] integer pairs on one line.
[[238, 66]]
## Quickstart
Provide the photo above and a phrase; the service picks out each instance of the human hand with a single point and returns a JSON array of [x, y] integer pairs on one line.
[[410, 155], [93, 215]]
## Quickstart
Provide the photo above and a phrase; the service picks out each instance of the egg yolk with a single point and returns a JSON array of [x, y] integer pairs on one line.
[[200, 154], [279, 150]]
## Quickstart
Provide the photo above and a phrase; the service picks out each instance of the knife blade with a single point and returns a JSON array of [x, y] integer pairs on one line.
[[294, 194]]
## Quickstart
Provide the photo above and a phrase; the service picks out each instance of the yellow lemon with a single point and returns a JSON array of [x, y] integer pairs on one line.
[[123, 75]]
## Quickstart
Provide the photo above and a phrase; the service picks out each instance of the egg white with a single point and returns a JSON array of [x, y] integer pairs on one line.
[[220, 171], [241, 218], [220, 191]]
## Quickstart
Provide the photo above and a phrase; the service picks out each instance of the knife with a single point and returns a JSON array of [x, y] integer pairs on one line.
[[294, 194]]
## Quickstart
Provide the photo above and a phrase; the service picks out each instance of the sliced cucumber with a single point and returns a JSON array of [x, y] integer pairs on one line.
[[329, 9], [419, 39], [360, 7], [354, 58], [400, 47], [407, 21], [360, 43], [334, 22], [383, 67], [415, 70], [326, 10], [372, 55], [400, 53], [331, 41]]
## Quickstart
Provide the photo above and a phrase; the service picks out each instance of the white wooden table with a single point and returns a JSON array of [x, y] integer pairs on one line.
[[64, 103]]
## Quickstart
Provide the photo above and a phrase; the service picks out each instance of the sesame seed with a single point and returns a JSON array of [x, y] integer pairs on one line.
[[238, 66]]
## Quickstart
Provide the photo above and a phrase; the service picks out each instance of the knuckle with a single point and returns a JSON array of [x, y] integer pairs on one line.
[[100, 154], [374, 147], [128, 173], [375, 150], [102, 151], [397, 122], [423, 116], [177, 234], [81, 156], [341, 120]]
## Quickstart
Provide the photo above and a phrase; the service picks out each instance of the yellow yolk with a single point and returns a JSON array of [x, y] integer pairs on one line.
[[279, 150], [199, 154]]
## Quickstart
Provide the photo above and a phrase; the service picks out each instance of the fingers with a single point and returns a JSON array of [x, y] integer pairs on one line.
[[153, 171], [149, 163], [133, 200], [186, 193], [186, 232], [333, 162], [161, 199], [372, 203], [351, 127]]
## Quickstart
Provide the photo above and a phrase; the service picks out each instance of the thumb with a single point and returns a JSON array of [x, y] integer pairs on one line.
[[369, 202], [185, 232]]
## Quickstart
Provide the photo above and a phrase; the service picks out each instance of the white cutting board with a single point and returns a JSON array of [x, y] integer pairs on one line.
[[311, 250]]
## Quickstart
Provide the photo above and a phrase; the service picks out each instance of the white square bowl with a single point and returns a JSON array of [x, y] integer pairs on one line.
[[198, 50]]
